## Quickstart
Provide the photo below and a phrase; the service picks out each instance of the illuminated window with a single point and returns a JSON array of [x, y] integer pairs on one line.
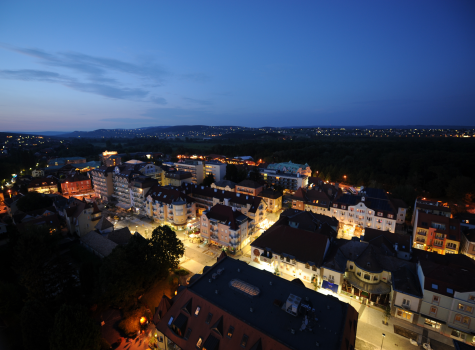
[[199, 342], [230, 331], [197, 311], [244, 341]]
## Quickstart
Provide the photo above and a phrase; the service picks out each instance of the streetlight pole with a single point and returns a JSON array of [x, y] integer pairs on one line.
[[382, 341]]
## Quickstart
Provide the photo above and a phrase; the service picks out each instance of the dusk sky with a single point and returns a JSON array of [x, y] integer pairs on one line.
[[85, 65]]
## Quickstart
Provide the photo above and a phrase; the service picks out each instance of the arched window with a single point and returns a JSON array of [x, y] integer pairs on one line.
[[367, 277]]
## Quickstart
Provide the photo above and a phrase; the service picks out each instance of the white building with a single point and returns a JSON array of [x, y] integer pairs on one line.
[[217, 169], [195, 167]]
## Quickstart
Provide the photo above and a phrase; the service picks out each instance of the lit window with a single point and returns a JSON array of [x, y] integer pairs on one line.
[[197, 311], [200, 341], [230, 331], [244, 341], [449, 290], [435, 286]]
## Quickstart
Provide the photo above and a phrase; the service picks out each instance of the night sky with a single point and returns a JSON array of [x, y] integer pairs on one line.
[[85, 65]]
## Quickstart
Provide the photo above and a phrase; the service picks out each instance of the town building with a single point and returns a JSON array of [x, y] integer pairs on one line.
[[170, 206], [43, 185], [224, 185], [249, 187], [436, 233], [370, 208], [316, 200], [236, 306], [467, 220], [289, 250], [64, 161], [289, 176], [37, 173], [81, 217], [122, 176], [252, 206], [468, 243], [273, 200], [177, 178], [226, 227], [448, 286], [430, 207], [111, 158], [76, 184], [102, 181], [195, 167], [217, 169], [139, 187]]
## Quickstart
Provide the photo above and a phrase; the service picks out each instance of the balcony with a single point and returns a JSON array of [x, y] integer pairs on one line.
[[422, 233]]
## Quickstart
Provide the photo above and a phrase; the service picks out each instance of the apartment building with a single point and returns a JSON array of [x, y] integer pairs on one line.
[[102, 181], [224, 185], [81, 217], [249, 187], [370, 208], [273, 200], [170, 206], [38, 173], [468, 243], [76, 184], [43, 185], [236, 306], [291, 168], [195, 167], [448, 286], [226, 227], [436, 233], [111, 158], [430, 207], [289, 250], [122, 176], [252, 206], [177, 178], [316, 200], [217, 169], [139, 187]]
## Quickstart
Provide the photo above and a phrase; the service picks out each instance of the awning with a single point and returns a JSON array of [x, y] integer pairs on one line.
[[377, 288], [331, 286]]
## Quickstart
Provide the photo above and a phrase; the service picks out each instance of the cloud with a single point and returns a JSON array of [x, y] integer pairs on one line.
[[158, 100], [95, 68], [199, 102], [95, 88], [32, 75]]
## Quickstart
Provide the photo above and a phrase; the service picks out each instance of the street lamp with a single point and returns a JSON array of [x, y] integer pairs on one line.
[[382, 341]]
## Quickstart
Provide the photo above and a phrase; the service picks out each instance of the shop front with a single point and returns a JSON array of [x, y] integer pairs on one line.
[[330, 286], [367, 293]]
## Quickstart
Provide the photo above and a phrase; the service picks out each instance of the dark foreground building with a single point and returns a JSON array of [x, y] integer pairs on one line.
[[236, 306]]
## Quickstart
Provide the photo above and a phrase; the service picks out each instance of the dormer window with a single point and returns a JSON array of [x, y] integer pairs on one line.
[[343, 207], [380, 214], [435, 286]]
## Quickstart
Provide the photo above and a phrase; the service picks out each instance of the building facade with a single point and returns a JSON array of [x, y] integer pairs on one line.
[[195, 167], [43, 185], [170, 206], [273, 200], [102, 181], [76, 184], [436, 233], [249, 187], [217, 169]]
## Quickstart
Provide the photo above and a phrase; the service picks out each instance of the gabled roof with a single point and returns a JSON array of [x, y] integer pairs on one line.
[[303, 245], [103, 224], [225, 215], [378, 238], [249, 184], [162, 308], [168, 195], [98, 243], [451, 271], [121, 236], [49, 220]]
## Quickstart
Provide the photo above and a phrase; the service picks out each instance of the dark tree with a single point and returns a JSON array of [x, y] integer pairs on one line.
[[461, 189], [166, 247], [208, 180], [74, 329], [36, 323], [33, 201]]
